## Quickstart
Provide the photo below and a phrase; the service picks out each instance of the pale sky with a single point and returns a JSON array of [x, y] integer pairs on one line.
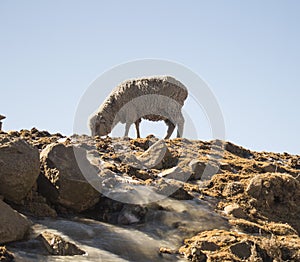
[[248, 52]]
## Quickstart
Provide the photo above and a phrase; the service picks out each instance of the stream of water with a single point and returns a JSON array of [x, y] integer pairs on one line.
[[136, 242]]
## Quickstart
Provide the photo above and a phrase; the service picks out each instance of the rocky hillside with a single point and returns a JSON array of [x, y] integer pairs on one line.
[[257, 193]]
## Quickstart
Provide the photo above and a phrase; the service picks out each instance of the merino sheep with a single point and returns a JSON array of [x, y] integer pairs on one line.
[[153, 98]]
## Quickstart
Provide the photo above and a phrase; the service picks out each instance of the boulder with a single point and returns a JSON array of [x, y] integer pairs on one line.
[[13, 225], [155, 157], [56, 245], [19, 167], [176, 173], [276, 195], [275, 191], [202, 169], [63, 166]]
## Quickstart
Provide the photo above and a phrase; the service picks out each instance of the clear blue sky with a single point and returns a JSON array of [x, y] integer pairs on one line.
[[247, 51]]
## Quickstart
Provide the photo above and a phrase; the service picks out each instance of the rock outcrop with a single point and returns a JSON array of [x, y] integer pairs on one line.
[[19, 167], [255, 194]]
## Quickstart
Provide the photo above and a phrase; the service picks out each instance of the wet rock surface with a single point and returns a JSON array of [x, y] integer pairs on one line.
[[165, 185], [56, 245]]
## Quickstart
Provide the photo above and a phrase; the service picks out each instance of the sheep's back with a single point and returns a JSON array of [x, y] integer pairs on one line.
[[130, 89]]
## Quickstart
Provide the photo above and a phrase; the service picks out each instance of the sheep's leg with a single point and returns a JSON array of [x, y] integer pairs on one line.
[[127, 127], [171, 128], [137, 127], [180, 126]]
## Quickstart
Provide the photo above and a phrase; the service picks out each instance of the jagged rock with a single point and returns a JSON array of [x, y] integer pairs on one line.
[[5, 255], [13, 225], [19, 168], [69, 187], [56, 245], [154, 157], [203, 169], [176, 173], [238, 150]]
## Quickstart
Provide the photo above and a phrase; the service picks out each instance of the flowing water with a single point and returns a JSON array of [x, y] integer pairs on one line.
[[166, 227]]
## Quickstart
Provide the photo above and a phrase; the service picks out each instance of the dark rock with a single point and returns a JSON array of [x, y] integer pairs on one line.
[[209, 246], [263, 254], [56, 245], [241, 249], [181, 194], [238, 150]]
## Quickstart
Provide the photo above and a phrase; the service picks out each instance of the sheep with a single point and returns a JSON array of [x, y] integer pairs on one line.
[[153, 98], [1, 118]]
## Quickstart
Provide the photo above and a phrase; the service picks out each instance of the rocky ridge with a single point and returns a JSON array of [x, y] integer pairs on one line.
[[257, 192]]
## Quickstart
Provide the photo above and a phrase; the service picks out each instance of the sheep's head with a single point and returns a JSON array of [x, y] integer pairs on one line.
[[99, 126]]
